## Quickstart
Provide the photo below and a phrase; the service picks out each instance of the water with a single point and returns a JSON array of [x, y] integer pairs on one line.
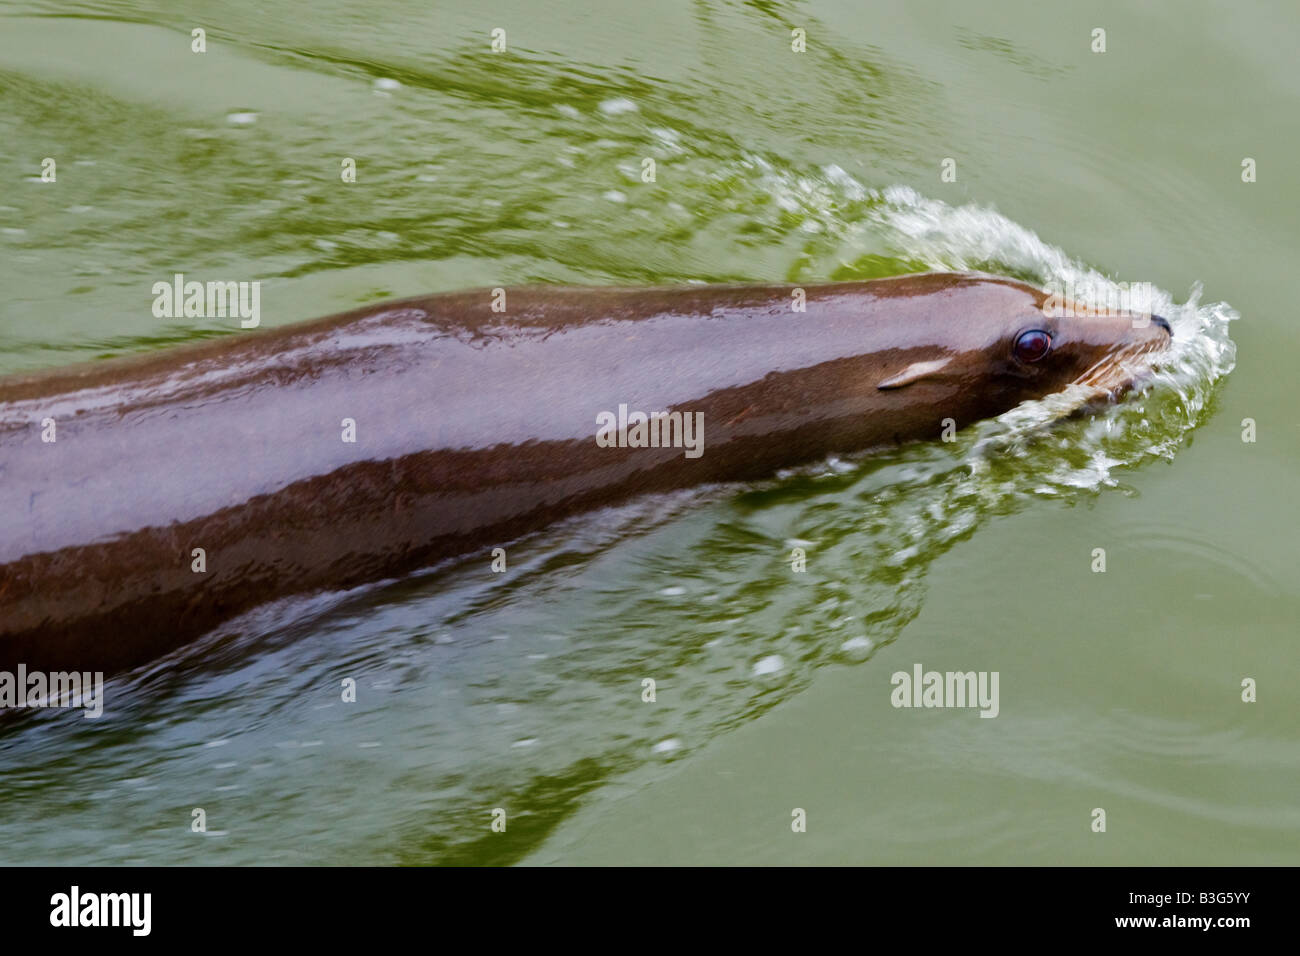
[[524, 691]]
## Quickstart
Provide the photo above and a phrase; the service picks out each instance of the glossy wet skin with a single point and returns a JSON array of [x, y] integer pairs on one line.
[[473, 427]]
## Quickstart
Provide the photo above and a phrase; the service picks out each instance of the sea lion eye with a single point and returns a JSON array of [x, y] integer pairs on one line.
[[1032, 345]]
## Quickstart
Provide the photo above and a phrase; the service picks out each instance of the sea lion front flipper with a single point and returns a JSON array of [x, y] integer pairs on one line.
[[913, 373]]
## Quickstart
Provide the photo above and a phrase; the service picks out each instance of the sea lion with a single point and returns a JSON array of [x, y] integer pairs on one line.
[[361, 446]]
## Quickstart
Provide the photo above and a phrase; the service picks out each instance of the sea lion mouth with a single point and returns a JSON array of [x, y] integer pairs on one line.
[[1125, 368], [1129, 364]]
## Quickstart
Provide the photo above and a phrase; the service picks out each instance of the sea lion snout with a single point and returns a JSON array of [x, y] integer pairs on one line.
[[1113, 351]]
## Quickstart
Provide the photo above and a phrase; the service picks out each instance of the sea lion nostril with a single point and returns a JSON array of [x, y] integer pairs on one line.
[[1164, 324]]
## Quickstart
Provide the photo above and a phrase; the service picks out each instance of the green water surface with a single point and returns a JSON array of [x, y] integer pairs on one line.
[[1119, 690]]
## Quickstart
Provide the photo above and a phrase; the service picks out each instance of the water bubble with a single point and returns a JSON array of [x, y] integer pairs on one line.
[[617, 106], [857, 648]]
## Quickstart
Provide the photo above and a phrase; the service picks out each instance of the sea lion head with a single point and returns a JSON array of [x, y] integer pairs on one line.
[[1007, 342]]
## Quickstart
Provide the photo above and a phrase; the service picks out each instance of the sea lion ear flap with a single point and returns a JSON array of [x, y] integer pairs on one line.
[[914, 372]]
